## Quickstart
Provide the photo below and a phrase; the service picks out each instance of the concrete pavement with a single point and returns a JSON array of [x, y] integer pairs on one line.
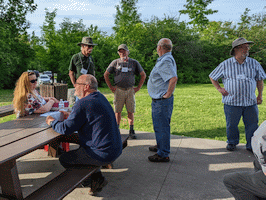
[[195, 171]]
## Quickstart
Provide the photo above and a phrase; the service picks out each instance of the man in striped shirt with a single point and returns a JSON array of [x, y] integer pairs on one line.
[[240, 75]]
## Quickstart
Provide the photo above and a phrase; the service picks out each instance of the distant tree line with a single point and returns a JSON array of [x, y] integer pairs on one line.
[[198, 46]]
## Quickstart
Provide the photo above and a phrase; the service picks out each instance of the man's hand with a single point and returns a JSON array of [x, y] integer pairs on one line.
[[113, 89], [223, 91], [136, 89], [259, 100], [66, 114], [49, 119]]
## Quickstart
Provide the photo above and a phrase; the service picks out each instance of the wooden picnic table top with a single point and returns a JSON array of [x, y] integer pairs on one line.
[[18, 138], [6, 110], [24, 135]]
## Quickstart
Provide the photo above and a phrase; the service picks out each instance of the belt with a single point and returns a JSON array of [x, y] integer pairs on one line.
[[124, 88], [160, 99]]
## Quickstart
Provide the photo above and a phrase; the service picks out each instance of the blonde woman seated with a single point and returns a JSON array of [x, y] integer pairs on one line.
[[27, 100]]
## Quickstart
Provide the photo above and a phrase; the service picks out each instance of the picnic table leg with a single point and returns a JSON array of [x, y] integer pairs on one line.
[[9, 180]]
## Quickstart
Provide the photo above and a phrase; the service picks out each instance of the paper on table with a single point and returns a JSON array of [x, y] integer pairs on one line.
[[56, 115]]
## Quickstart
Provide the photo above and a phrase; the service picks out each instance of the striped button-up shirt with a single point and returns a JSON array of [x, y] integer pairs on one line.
[[240, 80]]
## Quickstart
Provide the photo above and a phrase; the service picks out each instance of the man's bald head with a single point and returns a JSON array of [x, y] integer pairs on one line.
[[90, 80], [166, 44]]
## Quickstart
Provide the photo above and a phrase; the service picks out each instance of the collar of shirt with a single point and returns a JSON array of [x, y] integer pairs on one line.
[[160, 58], [83, 56], [124, 60], [245, 61]]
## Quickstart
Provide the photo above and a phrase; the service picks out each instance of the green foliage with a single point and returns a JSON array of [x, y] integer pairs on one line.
[[198, 46], [197, 11], [15, 51], [126, 19]]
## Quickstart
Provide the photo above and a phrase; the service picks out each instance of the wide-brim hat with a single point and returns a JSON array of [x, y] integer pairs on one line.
[[238, 42], [87, 41], [122, 46]]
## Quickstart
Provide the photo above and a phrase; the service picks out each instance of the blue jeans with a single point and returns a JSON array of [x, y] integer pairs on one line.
[[161, 117], [250, 118]]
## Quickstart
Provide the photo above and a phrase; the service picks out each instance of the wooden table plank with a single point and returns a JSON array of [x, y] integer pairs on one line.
[[14, 137], [6, 110], [27, 145], [19, 124]]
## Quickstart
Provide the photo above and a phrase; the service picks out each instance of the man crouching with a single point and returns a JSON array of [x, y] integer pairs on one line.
[[98, 134]]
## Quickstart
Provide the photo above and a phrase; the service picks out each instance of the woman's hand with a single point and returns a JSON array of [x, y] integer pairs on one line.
[[54, 99]]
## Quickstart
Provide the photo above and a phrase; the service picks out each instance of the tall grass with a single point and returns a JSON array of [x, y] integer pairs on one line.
[[198, 111]]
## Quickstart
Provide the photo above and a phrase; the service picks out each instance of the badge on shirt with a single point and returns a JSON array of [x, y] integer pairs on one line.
[[124, 69], [241, 76], [84, 71]]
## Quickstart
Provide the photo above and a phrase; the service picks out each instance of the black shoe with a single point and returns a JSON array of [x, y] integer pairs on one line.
[[132, 134], [157, 158], [231, 147], [97, 185], [153, 148], [86, 182]]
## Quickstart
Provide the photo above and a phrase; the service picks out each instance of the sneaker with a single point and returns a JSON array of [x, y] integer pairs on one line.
[[132, 134], [231, 147], [153, 148], [97, 185], [157, 158]]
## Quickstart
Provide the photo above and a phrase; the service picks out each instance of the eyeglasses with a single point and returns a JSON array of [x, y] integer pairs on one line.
[[90, 46], [33, 80]]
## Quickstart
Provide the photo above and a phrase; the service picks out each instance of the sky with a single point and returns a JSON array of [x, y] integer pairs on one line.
[[101, 13]]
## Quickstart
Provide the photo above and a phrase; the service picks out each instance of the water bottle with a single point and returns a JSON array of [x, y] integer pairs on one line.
[[61, 104]]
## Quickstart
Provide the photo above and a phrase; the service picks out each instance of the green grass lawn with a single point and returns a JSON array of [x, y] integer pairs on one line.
[[198, 112]]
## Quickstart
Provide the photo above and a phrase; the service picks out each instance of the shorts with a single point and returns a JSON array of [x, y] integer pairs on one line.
[[124, 97]]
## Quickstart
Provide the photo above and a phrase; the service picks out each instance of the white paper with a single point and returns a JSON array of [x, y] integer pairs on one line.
[[56, 115]]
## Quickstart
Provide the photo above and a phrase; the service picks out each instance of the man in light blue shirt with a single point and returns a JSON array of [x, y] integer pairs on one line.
[[240, 75], [161, 86]]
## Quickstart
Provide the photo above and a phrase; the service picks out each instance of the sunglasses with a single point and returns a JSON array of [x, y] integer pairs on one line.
[[33, 81]]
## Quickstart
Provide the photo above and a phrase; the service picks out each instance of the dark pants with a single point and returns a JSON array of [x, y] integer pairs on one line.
[[250, 118], [247, 185], [76, 158]]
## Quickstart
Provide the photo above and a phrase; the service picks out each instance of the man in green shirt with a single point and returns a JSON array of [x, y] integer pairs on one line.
[[82, 63]]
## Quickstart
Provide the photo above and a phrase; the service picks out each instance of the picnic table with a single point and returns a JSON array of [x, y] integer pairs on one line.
[[6, 110], [22, 136]]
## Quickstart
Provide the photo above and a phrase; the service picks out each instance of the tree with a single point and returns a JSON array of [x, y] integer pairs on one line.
[[126, 19], [15, 51], [197, 11]]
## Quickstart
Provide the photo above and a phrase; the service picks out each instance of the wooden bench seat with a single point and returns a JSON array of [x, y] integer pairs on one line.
[[62, 185], [66, 182]]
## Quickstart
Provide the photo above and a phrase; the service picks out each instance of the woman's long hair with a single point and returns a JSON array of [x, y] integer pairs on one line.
[[20, 93]]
